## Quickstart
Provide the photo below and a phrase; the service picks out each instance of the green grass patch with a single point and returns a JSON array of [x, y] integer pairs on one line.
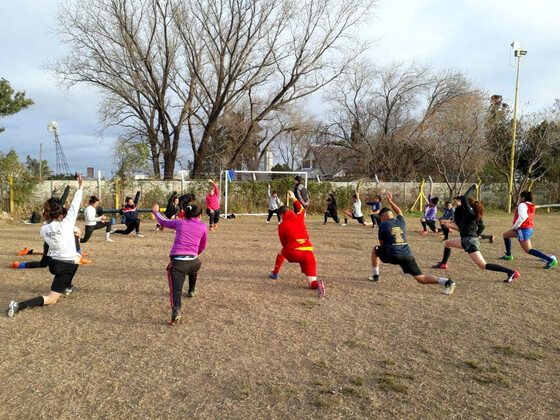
[[389, 381], [512, 351]]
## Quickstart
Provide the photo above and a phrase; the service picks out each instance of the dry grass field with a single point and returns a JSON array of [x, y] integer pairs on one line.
[[251, 347]]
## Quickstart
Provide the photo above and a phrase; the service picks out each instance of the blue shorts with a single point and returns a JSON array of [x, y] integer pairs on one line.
[[523, 234]]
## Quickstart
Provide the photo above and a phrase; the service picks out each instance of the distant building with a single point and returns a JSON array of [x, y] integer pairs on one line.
[[328, 162]]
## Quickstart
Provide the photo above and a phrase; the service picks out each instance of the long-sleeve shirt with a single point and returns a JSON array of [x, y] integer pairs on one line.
[[59, 235], [375, 206], [90, 213], [190, 234], [448, 214], [213, 201], [332, 207], [468, 226], [293, 232], [429, 211], [273, 202], [524, 216], [129, 211], [172, 209]]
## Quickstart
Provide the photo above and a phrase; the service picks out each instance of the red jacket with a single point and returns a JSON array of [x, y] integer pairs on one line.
[[293, 232]]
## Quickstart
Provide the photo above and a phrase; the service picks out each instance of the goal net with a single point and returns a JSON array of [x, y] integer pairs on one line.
[[227, 177]]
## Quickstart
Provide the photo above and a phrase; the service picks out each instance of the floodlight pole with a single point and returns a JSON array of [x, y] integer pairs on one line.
[[517, 53]]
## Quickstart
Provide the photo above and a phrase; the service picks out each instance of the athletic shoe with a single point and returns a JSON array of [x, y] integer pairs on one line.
[[12, 308], [176, 317], [112, 231], [85, 261], [139, 235], [191, 293], [24, 251], [368, 224], [506, 257], [320, 289], [84, 254], [273, 276], [374, 279], [15, 264], [109, 240], [552, 263], [492, 239], [449, 287], [424, 232], [344, 224], [70, 290], [267, 222], [512, 276], [440, 265]]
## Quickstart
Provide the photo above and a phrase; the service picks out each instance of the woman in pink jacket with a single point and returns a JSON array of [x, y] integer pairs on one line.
[[190, 241], [213, 205]]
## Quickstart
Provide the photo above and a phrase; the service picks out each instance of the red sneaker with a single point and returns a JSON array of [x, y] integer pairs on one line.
[[15, 264], [24, 251], [424, 232]]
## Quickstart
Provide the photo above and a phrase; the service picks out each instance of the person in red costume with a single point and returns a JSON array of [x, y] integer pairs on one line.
[[296, 246]]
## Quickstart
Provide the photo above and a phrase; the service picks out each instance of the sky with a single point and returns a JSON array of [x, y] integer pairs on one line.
[[471, 36]]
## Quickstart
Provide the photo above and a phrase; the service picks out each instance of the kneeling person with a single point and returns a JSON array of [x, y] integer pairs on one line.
[[393, 249]]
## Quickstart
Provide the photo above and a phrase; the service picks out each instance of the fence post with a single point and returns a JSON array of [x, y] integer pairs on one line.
[[116, 193], [11, 195]]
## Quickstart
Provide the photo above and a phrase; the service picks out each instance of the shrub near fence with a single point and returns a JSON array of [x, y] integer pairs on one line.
[[250, 196]]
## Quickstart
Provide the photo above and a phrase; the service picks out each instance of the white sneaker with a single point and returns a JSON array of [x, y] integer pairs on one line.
[[112, 231], [139, 235], [344, 224], [12, 308], [109, 240], [267, 222], [449, 287]]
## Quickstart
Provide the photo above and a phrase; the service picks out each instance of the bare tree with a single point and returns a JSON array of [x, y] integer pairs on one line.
[[452, 136], [267, 53]]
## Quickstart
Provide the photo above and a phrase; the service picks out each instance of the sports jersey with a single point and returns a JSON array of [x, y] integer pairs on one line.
[[59, 235], [375, 205], [524, 216], [292, 230], [129, 211], [393, 234], [468, 226]]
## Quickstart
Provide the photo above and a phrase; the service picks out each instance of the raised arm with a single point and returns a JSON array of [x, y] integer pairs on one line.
[[64, 195], [137, 198], [297, 203], [268, 191], [465, 198], [74, 208], [396, 208], [216, 190], [332, 197]]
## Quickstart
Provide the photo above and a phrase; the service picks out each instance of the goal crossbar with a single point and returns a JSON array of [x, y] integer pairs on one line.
[[227, 182]]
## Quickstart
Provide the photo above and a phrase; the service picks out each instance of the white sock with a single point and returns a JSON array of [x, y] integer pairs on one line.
[[442, 280], [375, 271]]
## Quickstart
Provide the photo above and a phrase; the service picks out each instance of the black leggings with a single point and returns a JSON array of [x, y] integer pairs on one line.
[[270, 213], [375, 219], [177, 270], [431, 224], [91, 229], [214, 216], [333, 215], [130, 226]]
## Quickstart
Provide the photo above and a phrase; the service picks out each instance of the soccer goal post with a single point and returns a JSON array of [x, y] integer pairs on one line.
[[229, 177]]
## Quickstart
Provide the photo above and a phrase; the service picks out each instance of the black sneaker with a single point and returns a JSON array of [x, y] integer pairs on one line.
[[191, 293], [176, 316], [374, 279]]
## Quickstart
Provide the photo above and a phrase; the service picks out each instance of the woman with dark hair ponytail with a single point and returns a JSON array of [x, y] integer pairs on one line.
[[469, 227], [190, 240], [58, 233]]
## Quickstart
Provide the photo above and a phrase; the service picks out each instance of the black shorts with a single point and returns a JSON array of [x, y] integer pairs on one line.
[[470, 244], [407, 263], [360, 219], [63, 274]]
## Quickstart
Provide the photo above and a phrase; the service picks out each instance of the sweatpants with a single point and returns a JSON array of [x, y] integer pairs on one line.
[[214, 216], [130, 226], [177, 270], [332, 215], [92, 228], [270, 213]]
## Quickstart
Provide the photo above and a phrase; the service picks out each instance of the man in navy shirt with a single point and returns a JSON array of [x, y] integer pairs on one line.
[[375, 209], [393, 249]]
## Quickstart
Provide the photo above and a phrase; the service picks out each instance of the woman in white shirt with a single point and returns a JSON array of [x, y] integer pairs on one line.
[[58, 233], [94, 222]]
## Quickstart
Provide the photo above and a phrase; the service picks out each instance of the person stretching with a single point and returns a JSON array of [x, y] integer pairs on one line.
[[274, 204], [94, 222], [523, 224], [130, 216], [393, 249], [332, 210], [296, 246], [356, 211], [469, 229], [190, 241], [429, 218], [375, 209], [213, 205], [172, 209], [58, 233]]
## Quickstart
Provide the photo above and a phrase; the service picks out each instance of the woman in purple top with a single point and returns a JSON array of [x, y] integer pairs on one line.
[[429, 217], [190, 241]]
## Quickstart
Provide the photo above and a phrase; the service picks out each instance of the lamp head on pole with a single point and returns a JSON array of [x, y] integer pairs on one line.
[[517, 51]]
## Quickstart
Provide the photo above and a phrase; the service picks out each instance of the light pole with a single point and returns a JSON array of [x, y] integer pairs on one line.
[[518, 53]]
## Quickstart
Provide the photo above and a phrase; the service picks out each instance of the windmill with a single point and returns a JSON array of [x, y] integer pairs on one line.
[[61, 163]]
